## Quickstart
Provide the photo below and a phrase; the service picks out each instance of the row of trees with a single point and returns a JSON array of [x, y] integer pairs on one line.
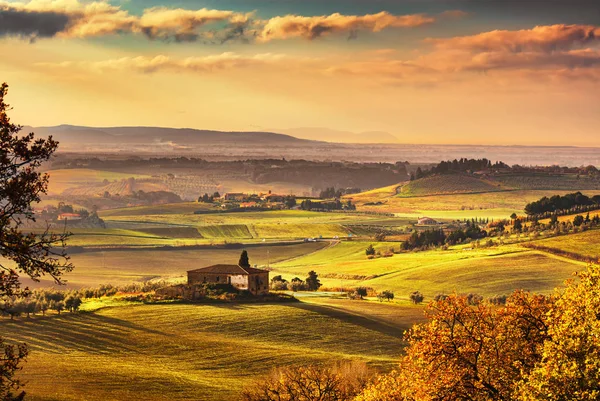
[[569, 203], [438, 237], [333, 193], [39, 302], [462, 165], [206, 198], [311, 283], [334, 205]]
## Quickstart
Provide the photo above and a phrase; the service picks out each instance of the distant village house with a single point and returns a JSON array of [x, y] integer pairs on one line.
[[426, 221], [256, 281], [69, 217], [238, 197]]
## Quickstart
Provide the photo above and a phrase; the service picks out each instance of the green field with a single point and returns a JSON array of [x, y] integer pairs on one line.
[[449, 184], [198, 352], [586, 244], [61, 180], [492, 271], [124, 266], [492, 205]]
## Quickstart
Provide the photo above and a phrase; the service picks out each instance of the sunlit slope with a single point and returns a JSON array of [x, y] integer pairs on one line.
[[497, 270], [450, 184], [492, 205], [190, 352], [585, 244]]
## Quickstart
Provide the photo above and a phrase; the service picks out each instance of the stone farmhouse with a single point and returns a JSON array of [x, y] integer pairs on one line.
[[256, 281]]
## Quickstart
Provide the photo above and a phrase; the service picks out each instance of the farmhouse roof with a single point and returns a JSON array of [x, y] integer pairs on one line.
[[228, 269]]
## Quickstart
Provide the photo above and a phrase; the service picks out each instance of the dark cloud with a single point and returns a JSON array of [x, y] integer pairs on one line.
[[32, 24]]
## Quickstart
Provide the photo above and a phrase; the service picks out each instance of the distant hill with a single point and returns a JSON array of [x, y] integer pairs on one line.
[[450, 184], [331, 135], [70, 135]]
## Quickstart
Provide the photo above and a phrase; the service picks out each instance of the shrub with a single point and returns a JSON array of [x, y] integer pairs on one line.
[[337, 383]]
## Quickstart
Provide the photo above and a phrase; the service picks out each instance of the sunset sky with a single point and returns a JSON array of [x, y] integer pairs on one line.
[[428, 71]]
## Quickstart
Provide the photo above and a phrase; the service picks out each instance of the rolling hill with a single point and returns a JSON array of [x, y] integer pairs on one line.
[[72, 136]]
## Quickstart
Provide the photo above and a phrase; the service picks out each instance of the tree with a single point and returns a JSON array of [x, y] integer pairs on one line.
[[570, 365], [337, 383], [312, 281], [468, 352], [389, 295], [578, 220], [244, 260], [518, 226], [11, 358], [290, 202], [513, 216], [370, 250], [33, 255], [361, 292], [296, 284], [416, 297]]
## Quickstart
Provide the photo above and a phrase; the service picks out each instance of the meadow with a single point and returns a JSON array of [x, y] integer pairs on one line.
[[124, 266], [492, 205], [198, 352], [487, 271]]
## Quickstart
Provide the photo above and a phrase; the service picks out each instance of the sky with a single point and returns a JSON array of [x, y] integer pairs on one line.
[[497, 72]]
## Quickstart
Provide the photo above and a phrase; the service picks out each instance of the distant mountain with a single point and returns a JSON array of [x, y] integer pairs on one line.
[[331, 135], [69, 135]]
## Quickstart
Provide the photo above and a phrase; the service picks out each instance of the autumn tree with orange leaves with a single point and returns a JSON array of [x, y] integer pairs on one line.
[[468, 352]]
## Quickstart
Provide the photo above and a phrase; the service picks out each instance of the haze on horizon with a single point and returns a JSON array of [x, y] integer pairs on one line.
[[439, 71]]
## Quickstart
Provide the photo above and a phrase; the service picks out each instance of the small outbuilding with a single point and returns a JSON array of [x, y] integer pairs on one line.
[[256, 281]]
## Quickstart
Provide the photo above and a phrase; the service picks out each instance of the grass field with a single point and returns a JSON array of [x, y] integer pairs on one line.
[[198, 352], [493, 205], [491, 271], [123, 266], [449, 184], [586, 244], [61, 180], [285, 224]]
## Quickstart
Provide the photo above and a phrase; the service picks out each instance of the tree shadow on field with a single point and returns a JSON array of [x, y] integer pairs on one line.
[[369, 323], [84, 332]]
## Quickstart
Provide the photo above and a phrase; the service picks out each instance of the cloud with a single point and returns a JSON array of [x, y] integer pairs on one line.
[[31, 24], [182, 25], [143, 64], [294, 26], [75, 19], [541, 38]]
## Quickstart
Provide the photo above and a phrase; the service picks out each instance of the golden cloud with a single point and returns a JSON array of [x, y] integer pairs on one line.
[[541, 38], [72, 18], [293, 26], [207, 64]]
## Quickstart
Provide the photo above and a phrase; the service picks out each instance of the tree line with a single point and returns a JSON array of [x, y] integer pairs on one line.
[[566, 204], [462, 165], [438, 237]]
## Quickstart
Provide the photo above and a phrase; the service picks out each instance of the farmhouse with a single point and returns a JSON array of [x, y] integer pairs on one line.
[[230, 196], [69, 216], [243, 278], [426, 221]]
